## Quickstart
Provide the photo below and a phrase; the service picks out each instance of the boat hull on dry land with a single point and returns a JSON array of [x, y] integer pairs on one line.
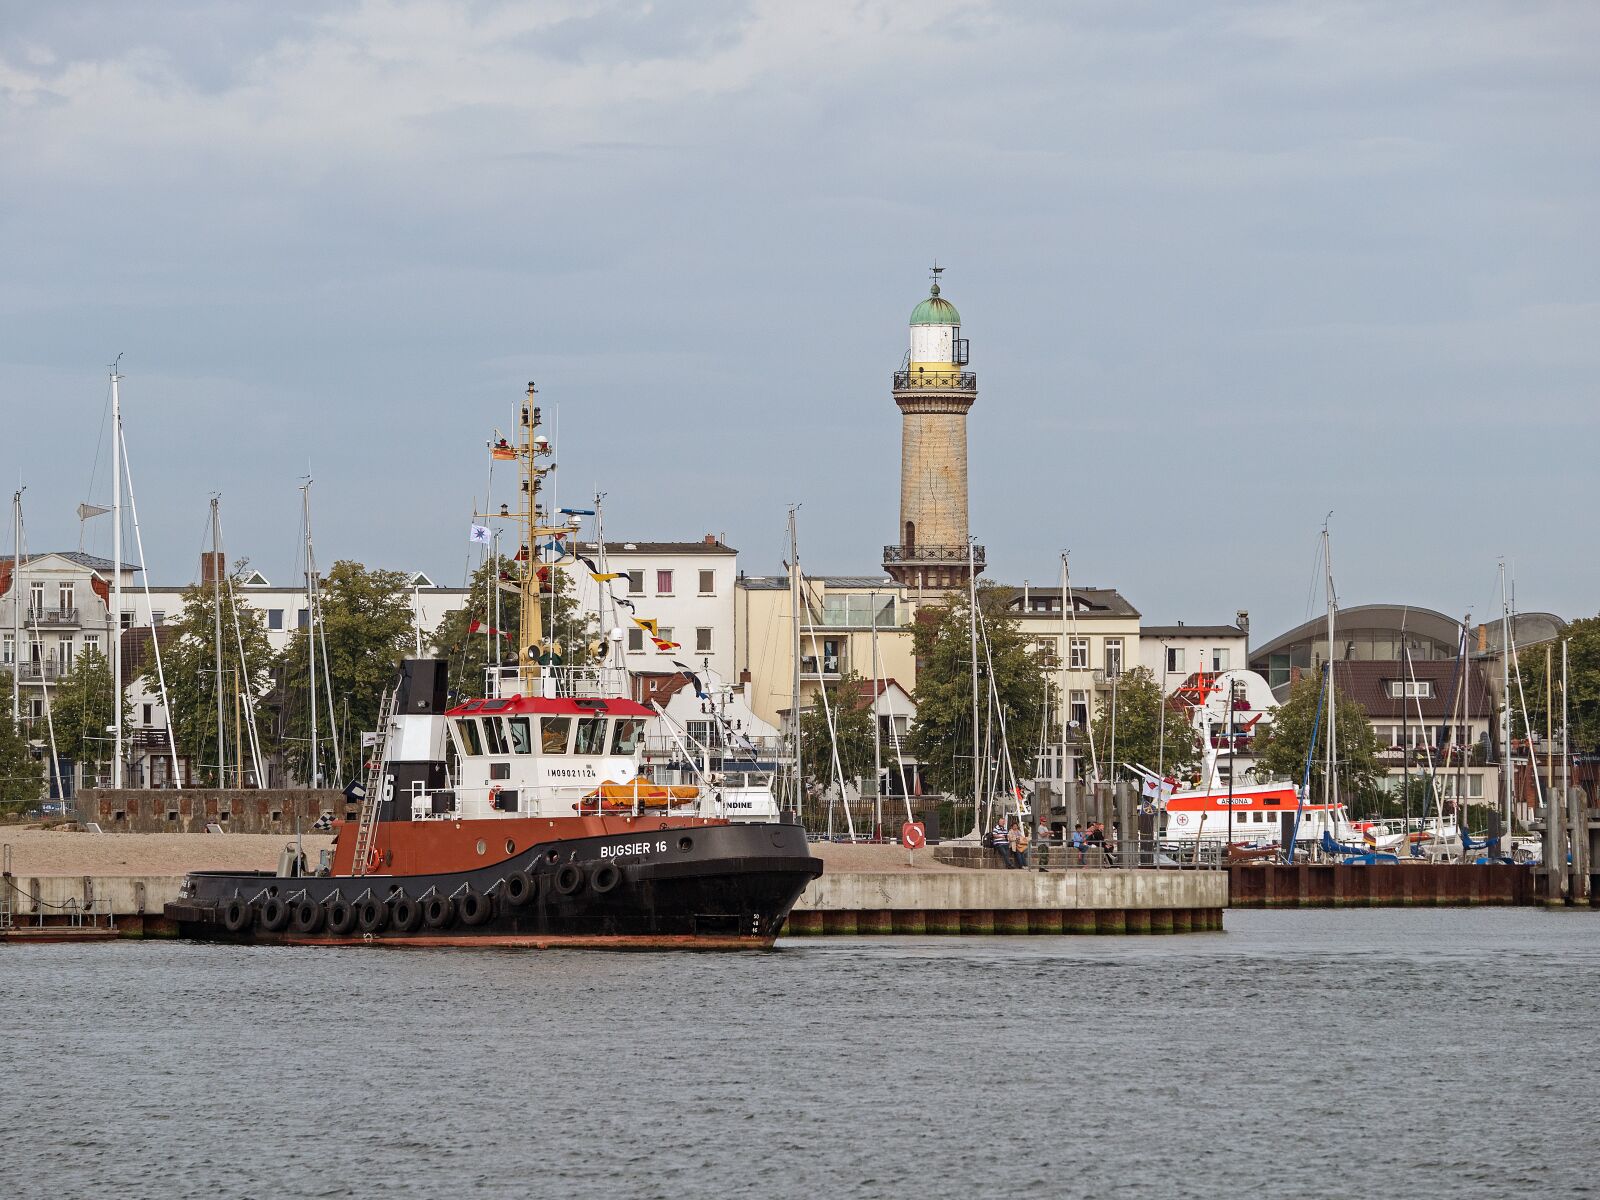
[[660, 882]]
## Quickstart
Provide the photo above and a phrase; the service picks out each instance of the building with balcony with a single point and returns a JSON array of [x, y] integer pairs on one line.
[[1087, 637], [54, 607], [843, 617]]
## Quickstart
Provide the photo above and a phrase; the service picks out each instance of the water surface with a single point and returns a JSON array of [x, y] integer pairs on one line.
[[1383, 1053]]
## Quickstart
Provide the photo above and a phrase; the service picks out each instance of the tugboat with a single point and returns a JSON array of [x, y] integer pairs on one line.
[[519, 819]]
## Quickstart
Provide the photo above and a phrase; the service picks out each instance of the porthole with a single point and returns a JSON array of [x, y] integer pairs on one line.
[[511, 847], [686, 844], [482, 846]]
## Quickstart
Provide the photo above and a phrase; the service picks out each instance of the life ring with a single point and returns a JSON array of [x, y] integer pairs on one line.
[[604, 878], [569, 878], [519, 888], [437, 911], [341, 915], [405, 914], [372, 915], [274, 915], [475, 907], [305, 916], [494, 796], [236, 915]]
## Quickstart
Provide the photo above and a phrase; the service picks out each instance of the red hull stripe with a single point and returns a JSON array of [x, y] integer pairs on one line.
[[531, 941]]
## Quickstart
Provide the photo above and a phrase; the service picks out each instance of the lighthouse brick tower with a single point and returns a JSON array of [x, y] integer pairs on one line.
[[933, 393]]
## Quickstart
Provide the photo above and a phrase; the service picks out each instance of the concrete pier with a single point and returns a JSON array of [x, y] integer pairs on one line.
[[1390, 885]]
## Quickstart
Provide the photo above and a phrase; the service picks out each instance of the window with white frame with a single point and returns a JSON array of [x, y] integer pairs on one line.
[[1174, 660], [64, 652], [1078, 654], [1045, 648], [126, 619], [635, 583], [702, 640], [708, 582], [8, 649], [274, 618], [1078, 709], [1219, 658], [666, 634], [91, 643], [1409, 689], [36, 595], [663, 583], [635, 640], [64, 593], [1113, 656]]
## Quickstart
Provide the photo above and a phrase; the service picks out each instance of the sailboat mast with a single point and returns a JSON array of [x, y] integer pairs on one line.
[[1505, 692], [1330, 786], [216, 613], [877, 734], [16, 608], [116, 578], [1566, 752], [311, 628], [977, 744], [794, 699]]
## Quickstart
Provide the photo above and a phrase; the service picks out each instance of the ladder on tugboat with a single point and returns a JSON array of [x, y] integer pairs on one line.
[[372, 800]]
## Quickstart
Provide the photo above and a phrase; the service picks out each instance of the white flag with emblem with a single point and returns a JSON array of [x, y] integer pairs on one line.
[[480, 534]]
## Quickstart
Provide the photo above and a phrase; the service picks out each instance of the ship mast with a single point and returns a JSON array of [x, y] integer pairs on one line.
[[532, 646]]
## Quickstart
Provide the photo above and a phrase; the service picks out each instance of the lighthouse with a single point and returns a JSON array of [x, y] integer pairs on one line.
[[933, 390]]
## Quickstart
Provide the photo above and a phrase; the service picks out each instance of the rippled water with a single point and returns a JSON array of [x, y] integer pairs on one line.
[[1380, 1053]]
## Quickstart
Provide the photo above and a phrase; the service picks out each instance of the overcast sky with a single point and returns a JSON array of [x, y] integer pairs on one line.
[[1224, 267]]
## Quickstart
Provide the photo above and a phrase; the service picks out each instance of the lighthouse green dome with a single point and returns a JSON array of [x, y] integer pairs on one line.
[[935, 310]]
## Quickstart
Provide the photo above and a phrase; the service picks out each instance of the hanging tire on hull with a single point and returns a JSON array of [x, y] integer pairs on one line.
[[438, 912], [305, 916], [520, 889], [405, 914], [475, 908], [569, 879], [274, 915], [372, 915], [341, 916], [604, 878], [236, 915]]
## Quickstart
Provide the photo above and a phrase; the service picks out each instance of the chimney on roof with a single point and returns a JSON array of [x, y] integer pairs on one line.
[[711, 539], [211, 566], [1242, 619], [1483, 638]]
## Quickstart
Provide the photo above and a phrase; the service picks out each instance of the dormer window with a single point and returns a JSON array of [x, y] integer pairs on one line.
[[1409, 689]]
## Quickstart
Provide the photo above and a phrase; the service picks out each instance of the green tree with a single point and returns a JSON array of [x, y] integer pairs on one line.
[[82, 710], [468, 653], [1282, 749], [367, 627], [1583, 683], [21, 775], [941, 737], [1141, 735], [852, 732], [188, 659]]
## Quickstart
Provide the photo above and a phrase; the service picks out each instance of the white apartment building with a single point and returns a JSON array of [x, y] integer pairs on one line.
[[1172, 653], [687, 588]]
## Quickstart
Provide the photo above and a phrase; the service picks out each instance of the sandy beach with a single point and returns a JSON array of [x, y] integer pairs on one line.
[[37, 851]]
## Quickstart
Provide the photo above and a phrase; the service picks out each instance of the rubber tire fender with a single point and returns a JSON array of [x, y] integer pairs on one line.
[[438, 912], [274, 915], [305, 915], [341, 915], [604, 877], [474, 907], [569, 878], [520, 889], [405, 914], [237, 915], [372, 915]]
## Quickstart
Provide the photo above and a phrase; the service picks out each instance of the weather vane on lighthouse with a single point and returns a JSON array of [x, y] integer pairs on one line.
[[935, 271]]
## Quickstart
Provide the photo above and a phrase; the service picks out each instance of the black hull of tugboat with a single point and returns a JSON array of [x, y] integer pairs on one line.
[[703, 887]]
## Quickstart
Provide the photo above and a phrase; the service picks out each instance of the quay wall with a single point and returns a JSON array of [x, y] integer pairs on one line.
[[1385, 885], [238, 810]]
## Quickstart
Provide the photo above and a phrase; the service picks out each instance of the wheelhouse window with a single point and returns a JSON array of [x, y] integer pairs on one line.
[[495, 736], [625, 740], [591, 737], [521, 732], [553, 734], [467, 731]]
